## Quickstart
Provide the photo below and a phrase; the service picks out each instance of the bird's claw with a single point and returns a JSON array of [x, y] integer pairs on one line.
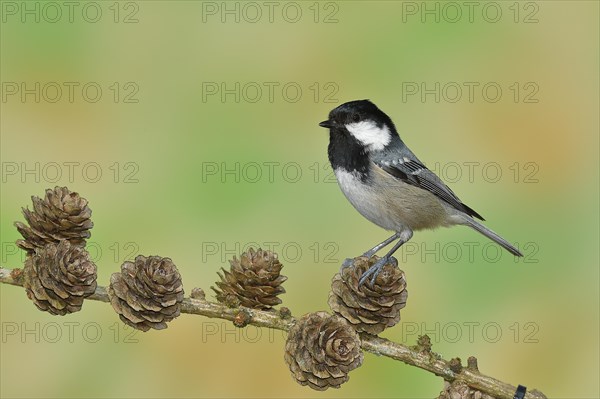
[[373, 271]]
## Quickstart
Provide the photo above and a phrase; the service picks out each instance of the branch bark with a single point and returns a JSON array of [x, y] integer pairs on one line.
[[417, 356]]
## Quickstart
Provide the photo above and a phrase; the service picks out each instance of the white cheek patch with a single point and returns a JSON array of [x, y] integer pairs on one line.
[[370, 135]]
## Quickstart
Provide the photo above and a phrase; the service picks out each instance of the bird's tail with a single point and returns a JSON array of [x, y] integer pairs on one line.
[[492, 236]]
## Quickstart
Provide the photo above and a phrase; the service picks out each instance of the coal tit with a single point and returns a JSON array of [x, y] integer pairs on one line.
[[388, 184]]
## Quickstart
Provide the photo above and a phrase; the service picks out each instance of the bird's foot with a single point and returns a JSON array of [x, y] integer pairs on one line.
[[374, 270]]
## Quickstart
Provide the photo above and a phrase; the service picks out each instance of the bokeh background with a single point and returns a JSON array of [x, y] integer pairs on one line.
[[174, 167]]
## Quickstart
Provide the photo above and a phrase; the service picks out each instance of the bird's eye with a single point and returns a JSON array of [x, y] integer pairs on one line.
[[355, 117]]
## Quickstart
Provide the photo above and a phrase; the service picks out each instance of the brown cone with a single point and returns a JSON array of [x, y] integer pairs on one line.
[[460, 390], [369, 308], [321, 349], [58, 277], [61, 215], [253, 281], [147, 293]]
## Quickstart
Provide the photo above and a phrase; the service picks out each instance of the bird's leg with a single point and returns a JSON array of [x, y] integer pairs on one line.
[[349, 261], [381, 245], [374, 270]]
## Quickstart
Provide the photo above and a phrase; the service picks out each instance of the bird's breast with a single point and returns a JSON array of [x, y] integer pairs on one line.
[[389, 202]]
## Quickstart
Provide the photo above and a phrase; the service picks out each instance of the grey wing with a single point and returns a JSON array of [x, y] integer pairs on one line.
[[413, 172]]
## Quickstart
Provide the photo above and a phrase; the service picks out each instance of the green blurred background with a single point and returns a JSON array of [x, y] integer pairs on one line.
[[192, 175]]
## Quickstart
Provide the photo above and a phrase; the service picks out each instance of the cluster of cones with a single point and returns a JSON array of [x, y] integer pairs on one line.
[[59, 274]]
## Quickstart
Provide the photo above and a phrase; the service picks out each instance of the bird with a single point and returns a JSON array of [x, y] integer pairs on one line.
[[388, 185]]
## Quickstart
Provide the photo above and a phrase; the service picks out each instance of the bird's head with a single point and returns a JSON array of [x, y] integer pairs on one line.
[[364, 122]]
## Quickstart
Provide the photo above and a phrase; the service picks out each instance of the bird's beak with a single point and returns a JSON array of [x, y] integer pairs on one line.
[[327, 124]]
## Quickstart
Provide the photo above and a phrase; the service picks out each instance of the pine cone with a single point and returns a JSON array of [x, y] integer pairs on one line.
[[147, 293], [253, 281], [369, 308], [460, 390], [321, 349], [61, 215], [58, 277]]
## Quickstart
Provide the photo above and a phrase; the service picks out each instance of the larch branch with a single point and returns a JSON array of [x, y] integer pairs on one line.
[[417, 356]]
